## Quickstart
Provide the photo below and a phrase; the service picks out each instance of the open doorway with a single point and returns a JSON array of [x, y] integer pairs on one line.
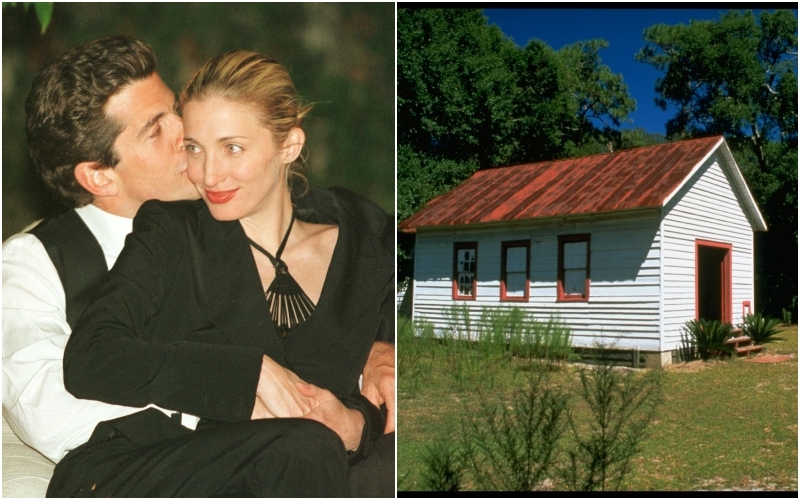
[[713, 295]]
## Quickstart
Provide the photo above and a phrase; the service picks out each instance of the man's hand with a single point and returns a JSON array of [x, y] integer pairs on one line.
[[344, 421], [378, 382], [277, 395]]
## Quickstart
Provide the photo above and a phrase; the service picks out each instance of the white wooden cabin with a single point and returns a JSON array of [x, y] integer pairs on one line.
[[625, 247]]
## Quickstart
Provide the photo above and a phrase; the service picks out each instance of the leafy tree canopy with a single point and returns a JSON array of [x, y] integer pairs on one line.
[[738, 77], [453, 84], [735, 76], [468, 97], [599, 96]]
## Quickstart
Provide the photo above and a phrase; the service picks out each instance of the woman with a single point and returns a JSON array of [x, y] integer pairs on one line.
[[258, 303]]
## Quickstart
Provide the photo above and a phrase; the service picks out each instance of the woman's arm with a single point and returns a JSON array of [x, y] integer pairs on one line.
[[277, 394]]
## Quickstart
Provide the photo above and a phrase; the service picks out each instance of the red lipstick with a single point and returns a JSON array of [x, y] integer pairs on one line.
[[218, 197]]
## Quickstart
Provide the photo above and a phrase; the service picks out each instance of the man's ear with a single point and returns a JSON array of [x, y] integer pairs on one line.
[[293, 145], [95, 178]]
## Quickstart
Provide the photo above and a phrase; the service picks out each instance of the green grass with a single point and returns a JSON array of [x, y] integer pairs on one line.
[[723, 424]]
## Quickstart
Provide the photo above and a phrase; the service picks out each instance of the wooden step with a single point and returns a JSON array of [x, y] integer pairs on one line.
[[747, 350], [737, 342], [742, 345]]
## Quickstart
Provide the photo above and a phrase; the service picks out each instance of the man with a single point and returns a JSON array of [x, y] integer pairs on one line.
[[103, 132]]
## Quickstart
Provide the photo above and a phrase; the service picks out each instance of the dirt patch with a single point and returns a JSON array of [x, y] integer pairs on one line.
[[699, 366], [692, 366], [745, 484], [774, 358]]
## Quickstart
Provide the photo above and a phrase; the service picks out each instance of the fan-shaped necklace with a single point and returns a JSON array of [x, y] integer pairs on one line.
[[288, 303]]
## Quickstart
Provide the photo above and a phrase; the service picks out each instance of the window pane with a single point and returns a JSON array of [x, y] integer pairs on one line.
[[575, 255], [515, 259], [574, 282], [515, 284], [465, 284], [465, 272], [466, 260]]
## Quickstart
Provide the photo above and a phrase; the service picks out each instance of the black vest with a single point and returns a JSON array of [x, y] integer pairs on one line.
[[77, 256]]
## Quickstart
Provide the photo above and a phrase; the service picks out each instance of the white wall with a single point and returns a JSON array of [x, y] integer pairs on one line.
[[624, 299], [706, 208]]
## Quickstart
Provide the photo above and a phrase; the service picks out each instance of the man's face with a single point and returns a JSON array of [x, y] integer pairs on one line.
[[150, 147]]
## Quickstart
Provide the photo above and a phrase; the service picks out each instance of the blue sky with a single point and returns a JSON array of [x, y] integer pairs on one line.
[[622, 28]]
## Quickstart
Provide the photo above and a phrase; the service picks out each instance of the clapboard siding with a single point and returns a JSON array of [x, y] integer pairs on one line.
[[705, 208], [625, 278]]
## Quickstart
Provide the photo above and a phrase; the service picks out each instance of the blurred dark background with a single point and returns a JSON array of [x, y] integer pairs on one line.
[[340, 56]]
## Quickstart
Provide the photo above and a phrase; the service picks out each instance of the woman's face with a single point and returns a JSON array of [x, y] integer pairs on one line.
[[233, 159]]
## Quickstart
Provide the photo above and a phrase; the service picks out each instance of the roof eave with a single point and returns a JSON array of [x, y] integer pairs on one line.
[[751, 208], [757, 220], [489, 224]]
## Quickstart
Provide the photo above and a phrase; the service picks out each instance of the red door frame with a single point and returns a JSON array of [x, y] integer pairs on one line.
[[726, 274]]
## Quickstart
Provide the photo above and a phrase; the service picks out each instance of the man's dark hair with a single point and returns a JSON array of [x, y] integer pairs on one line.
[[66, 120]]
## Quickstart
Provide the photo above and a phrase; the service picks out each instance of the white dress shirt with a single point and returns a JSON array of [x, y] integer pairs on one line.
[[35, 332]]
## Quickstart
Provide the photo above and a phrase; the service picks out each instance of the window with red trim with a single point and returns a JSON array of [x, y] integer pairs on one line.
[[465, 270], [573, 267], [515, 270]]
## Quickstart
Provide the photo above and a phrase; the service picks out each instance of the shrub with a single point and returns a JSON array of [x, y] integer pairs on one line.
[[499, 326], [786, 315], [472, 350], [553, 340], [760, 329], [443, 469], [622, 404], [460, 320], [517, 445], [708, 337], [512, 448], [501, 333]]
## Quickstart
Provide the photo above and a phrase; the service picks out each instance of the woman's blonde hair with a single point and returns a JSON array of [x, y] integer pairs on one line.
[[261, 83]]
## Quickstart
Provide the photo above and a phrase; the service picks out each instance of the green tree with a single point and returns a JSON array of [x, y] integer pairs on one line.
[[469, 98], [454, 102], [737, 77], [600, 99], [543, 108], [454, 86]]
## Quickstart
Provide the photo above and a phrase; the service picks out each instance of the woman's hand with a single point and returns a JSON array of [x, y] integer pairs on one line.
[[277, 395], [344, 421]]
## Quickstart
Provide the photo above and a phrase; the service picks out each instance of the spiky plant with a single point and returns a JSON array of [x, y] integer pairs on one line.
[[709, 337], [760, 329]]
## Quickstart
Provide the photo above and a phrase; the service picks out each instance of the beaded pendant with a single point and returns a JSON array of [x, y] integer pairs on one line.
[[288, 303]]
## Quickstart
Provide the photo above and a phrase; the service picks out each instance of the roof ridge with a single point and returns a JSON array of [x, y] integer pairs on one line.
[[717, 137]]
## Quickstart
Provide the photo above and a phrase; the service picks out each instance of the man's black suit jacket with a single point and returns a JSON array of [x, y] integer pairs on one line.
[[181, 320]]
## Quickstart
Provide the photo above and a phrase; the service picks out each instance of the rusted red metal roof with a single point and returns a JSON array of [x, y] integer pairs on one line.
[[626, 180]]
